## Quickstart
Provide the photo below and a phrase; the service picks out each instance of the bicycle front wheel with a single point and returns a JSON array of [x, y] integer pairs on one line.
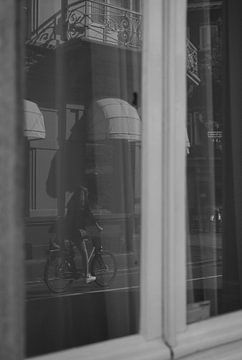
[[104, 267], [57, 275]]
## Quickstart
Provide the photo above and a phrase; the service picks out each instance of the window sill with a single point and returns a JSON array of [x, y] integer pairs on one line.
[[133, 347], [209, 334], [230, 351]]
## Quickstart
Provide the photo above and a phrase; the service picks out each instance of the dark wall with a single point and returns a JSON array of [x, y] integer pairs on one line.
[[85, 70]]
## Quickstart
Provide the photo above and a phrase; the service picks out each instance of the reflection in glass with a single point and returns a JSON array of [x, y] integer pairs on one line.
[[83, 164], [213, 157]]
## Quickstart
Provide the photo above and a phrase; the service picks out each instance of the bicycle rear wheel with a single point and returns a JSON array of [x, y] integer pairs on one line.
[[57, 274], [104, 267]]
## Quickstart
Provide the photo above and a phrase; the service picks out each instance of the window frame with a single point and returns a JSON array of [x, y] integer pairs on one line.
[[163, 330]]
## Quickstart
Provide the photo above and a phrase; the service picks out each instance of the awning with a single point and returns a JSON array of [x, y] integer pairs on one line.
[[112, 118], [34, 126]]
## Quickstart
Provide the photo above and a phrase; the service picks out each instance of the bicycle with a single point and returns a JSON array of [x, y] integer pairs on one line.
[[60, 269]]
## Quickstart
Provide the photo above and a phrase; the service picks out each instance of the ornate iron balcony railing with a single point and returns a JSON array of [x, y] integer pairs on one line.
[[101, 22], [192, 63], [91, 20]]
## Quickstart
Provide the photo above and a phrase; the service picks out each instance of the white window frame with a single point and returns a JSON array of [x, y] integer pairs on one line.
[[163, 330]]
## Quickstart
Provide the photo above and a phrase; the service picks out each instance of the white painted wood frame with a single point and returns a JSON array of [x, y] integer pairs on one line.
[[11, 185]]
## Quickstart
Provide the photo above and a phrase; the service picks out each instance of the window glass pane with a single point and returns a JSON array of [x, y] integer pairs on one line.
[[213, 158], [83, 168]]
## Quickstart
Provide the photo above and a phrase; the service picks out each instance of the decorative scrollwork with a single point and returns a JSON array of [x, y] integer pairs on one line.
[[124, 36], [110, 25], [47, 36], [139, 33], [75, 24], [44, 37], [87, 19], [136, 34], [124, 30], [125, 23]]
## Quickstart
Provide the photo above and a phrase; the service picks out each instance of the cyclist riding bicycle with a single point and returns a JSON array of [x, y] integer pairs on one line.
[[78, 217]]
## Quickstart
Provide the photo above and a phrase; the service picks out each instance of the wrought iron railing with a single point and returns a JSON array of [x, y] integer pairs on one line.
[[192, 63], [91, 20], [101, 22]]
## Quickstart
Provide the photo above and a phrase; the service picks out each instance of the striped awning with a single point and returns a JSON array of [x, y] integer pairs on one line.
[[34, 126], [112, 118]]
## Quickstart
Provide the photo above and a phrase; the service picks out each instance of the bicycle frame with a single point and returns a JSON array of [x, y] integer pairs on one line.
[[70, 250], [91, 254]]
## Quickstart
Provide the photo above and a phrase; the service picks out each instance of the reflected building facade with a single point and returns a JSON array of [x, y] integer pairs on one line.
[[83, 71], [78, 53]]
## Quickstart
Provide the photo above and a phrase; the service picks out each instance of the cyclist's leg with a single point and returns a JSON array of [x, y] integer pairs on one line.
[[81, 245], [83, 250], [89, 278], [96, 240]]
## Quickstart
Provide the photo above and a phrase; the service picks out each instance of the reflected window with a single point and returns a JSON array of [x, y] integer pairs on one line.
[[213, 158], [83, 173]]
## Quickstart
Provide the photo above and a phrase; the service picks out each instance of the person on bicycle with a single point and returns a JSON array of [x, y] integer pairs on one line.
[[78, 217]]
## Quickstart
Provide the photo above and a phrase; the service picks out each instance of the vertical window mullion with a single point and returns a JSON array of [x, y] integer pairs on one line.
[[11, 170], [151, 273], [173, 168]]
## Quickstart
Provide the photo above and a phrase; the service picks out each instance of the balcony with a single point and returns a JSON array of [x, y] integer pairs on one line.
[[192, 63], [90, 20], [100, 22]]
